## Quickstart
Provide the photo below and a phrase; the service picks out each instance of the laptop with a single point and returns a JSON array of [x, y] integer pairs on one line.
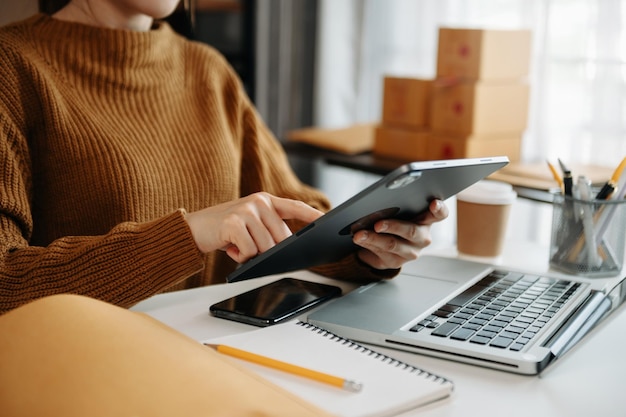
[[473, 313], [404, 193]]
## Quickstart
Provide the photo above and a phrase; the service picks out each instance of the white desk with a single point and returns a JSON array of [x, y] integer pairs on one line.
[[588, 381]]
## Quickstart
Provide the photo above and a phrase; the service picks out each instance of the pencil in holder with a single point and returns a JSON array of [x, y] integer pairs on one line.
[[588, 236]]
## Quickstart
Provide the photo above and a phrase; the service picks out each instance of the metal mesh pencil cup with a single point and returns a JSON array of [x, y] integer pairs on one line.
[[588, 236]]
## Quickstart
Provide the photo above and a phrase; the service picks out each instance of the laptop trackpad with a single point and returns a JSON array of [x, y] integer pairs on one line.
[[387, 305]]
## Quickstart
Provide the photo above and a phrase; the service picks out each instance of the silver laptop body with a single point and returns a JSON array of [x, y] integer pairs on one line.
[[470, 312]]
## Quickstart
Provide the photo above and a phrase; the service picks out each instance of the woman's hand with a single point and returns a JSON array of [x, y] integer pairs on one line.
[[247, 226], [395, 242]]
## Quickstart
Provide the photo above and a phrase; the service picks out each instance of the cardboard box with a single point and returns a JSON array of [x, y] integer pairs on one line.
[[451, 147], [400, 143], [483, 54], [479, 108], [406, 102]]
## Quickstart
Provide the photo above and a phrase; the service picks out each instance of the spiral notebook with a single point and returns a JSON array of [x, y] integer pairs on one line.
[[389, 386]]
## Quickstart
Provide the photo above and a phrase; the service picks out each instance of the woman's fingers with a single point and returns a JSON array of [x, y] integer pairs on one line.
[[247, 226]]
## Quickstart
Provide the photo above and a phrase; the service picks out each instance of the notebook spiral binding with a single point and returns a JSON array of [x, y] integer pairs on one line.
[[377, 355]]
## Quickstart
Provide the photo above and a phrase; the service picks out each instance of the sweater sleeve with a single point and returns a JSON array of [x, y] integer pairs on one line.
[[128, 264]]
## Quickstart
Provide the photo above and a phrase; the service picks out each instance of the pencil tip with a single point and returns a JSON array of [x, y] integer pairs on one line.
[[563, 167], [352, 386]]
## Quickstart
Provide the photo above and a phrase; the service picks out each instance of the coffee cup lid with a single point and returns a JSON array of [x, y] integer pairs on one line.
[[488, 192]]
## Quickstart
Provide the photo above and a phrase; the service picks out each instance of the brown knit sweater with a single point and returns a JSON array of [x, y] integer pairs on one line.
[[105, 135]]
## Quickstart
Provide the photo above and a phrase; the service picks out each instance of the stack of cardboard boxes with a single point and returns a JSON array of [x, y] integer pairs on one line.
[[404, 133], [476, 106]]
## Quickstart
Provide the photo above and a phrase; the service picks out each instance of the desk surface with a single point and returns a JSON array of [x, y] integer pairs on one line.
[[589, 380]]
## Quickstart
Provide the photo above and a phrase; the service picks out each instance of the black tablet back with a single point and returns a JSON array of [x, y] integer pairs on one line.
[[404, 193]]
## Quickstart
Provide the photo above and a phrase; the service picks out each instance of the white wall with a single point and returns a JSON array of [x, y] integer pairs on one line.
[[12, 10]]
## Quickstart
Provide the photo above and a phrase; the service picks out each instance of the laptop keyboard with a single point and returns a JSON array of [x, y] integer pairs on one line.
[[504, 310]]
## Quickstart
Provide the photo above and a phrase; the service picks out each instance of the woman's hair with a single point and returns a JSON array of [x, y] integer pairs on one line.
[[52, 6], [190, 13]]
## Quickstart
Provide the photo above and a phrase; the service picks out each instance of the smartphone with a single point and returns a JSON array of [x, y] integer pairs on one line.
[[274, 302]]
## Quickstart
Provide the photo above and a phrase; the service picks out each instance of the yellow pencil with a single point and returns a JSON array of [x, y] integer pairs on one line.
[[287, 367], [556, 175], [618, 171]]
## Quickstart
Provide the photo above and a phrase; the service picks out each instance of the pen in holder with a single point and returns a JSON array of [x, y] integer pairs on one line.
[[588, 237]]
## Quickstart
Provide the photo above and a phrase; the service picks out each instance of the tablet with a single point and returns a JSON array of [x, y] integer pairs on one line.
[[404, 193]]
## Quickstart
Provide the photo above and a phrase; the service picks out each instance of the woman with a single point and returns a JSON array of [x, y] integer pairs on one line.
[[132, 162]]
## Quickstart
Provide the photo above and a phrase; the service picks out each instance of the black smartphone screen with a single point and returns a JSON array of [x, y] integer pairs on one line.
[[274, 302]]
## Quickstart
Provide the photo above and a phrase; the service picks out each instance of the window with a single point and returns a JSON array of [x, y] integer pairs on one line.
[[578, 68]]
